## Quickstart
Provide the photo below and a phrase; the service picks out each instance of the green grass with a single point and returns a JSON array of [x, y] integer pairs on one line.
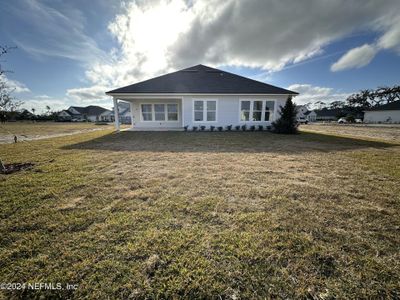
[[202, 215]]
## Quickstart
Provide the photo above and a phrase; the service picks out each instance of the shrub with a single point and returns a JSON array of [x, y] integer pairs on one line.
[[287, 122], [212, 128], [202, 128], [252, 128], [237, 127], [260, 128], [269, 127], [194, 128], [220, 128], [229, 127], [244, 127], [185, 128]]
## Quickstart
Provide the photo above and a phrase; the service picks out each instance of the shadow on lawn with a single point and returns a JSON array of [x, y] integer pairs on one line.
[[253, 142]]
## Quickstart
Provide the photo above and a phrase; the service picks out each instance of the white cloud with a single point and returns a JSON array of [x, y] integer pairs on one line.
[[14, 85], [355, 58], [361, 56], [163, 35], [88, 93], [391, 38], [312, 94], [157, 36]]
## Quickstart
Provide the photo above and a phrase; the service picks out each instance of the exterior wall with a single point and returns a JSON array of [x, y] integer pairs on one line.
[[312, 116], [93, 118], [228, 110], [382, 116], [139, 123]]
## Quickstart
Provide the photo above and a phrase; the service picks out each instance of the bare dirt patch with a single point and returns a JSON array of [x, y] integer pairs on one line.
[[15, 167]]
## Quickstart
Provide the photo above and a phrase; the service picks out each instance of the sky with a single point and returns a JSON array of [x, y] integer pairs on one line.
[[72, 52]]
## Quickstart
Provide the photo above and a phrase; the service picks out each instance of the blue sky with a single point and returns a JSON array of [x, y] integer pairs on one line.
[[71, 52]]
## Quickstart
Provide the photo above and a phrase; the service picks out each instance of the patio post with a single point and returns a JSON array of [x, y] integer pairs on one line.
[[116, 114]]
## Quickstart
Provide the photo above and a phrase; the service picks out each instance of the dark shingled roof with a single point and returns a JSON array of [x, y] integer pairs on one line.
[[201, 80], [325, 112], [389, 106], [91, 110]]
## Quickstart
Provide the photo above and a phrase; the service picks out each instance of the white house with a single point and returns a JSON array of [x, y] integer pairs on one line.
[[91, 113], [200, 96], [387, 113]]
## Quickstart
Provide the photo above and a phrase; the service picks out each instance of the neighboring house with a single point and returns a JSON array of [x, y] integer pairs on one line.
[[201, 96], [326, 114], [64, 115], [311, 116], [301, 111], [387, 113], [91, 113], [304, 113]]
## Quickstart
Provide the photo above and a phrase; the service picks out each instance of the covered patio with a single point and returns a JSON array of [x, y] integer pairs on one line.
[[151, 113]]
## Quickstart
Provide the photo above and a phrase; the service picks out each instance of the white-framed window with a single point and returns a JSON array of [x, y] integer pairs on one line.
[[269, 110], [147, 112], [164, 112], [204, 110], [256, 110]]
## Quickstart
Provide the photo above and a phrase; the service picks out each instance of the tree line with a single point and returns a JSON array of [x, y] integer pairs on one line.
[[364, 99]]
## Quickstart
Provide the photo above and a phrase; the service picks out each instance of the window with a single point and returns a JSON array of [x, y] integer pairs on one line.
[[256, 110], [160, 112], [211, 111], [269, 110], [205, 110], [245, 111], [147, 112], [172, 110]]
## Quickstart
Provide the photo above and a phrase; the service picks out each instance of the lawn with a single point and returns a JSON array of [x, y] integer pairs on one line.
[[36, 130], [202, 215]]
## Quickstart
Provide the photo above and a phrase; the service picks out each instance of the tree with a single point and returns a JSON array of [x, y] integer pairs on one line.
[[48, 110], [7, 101], [365, 99], [337, 104], [320, 104], [287, 122]]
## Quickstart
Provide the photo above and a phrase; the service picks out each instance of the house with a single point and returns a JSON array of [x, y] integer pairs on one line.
[[90, 113], [326, 114], [304, 113], [200, 96], [301, 111], [311, 116], [387, 113]]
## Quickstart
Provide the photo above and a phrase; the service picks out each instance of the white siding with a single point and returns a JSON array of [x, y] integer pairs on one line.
[[139, 123], [228, 109], [383, 116]]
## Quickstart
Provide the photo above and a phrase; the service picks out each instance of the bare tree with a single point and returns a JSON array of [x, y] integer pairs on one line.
[[7, 101]]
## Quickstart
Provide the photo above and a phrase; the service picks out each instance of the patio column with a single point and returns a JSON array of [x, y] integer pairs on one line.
[[131, 107], [116, 114]]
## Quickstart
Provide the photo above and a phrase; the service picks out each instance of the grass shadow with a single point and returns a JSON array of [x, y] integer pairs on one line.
[[252, 142]]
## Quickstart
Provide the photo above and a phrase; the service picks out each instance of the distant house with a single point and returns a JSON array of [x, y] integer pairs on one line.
[[311, 116], [90, 113], [301, 111], [326, 114], [387, 113]]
